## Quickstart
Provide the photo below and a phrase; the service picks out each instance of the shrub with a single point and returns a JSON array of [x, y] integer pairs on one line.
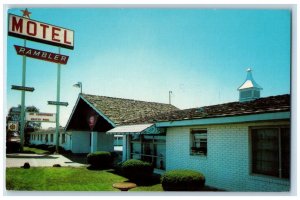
[[99, 159], [26, 165], [182, 180], [50, 148], [32, 145], [42, 146], [136, 170], [56, 165]]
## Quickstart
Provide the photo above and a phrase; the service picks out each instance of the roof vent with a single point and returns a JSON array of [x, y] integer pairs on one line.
[[249, 90]]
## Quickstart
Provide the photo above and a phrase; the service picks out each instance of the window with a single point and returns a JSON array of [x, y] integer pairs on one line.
[[51, 137], [271, 151], [198, 142], [149, 148], [246, 94], [63, 138], [46, 138], [118, 140]]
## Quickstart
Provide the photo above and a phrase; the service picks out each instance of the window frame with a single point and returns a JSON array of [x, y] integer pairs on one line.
[[280, 150], [193, 149]]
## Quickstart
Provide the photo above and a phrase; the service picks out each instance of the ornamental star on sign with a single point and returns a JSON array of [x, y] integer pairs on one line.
[[26, 13]]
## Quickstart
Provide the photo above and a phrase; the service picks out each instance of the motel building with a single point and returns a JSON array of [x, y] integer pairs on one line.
[[238, 146]]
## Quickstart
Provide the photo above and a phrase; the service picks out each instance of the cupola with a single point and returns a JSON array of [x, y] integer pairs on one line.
[[249, 90]]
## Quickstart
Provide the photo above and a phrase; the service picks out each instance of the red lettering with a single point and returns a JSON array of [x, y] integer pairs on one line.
[[65, 38], [54, 34], [17, 26], [44, 26], [34, 28]]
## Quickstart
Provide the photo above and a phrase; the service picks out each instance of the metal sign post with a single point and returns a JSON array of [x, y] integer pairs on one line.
[[23, 102], [57, 106]]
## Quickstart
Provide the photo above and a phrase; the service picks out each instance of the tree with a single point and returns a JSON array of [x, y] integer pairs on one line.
[[14, 115]]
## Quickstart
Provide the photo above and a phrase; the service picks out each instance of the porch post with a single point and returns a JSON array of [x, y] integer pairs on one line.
[[94, 139], [124, 152]]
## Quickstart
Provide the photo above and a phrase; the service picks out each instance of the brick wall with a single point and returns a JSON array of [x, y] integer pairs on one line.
[[227, 164]]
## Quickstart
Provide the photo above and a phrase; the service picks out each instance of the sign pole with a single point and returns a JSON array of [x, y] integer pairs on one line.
[[57, 106], [23, 101]]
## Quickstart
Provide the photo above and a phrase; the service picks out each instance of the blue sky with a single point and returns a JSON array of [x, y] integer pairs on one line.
[[201, 55]]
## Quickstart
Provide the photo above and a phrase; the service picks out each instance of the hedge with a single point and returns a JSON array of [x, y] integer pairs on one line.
[[183, 180], [100, 159], [136, 170]]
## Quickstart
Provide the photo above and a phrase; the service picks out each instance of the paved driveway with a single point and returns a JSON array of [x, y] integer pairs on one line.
[[39, 160]]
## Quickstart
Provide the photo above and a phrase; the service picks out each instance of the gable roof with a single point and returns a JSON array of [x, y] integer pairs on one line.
[[120, 111], [270, 104]]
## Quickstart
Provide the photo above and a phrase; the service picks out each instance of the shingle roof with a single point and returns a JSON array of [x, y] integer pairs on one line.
[[120, 111], [270, 104]]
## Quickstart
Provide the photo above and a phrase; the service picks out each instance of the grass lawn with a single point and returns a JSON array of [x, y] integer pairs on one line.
[[34, 150], [66, 179]]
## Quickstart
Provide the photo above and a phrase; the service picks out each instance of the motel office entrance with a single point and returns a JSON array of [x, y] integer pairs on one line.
[[149, 148]]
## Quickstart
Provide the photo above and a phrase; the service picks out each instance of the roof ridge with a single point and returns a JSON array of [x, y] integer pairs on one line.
[[222, 104], [276, 103], [128, 99], [246, 102]]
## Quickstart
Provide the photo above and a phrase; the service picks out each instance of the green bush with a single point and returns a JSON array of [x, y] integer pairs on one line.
[[136, 170], [182, 180], [42, 146], [100, 159]]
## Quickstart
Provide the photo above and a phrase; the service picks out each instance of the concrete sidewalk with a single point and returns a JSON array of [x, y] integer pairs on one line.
[[39, 160]]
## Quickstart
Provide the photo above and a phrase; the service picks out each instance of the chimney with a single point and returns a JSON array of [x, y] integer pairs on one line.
[[249, 90]]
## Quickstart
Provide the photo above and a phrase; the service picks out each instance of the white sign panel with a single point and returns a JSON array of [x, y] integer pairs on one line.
[[40, 32], [13, 126], [40, 117]]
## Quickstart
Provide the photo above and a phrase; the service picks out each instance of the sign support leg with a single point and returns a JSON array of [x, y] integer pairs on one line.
[[57, 106], [22, 117]]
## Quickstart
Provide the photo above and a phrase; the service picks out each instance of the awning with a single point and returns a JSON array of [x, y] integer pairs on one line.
[[136, 129]]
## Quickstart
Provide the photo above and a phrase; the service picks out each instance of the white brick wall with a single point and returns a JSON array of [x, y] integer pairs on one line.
[[227, 164]]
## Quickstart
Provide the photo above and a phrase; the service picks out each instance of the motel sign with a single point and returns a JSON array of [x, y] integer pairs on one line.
[[27, 29], [40, 32], [40, 117], [42, 55]]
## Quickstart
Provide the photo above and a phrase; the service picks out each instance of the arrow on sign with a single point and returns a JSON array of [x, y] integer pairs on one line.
[[58, 103], [28, 89]]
